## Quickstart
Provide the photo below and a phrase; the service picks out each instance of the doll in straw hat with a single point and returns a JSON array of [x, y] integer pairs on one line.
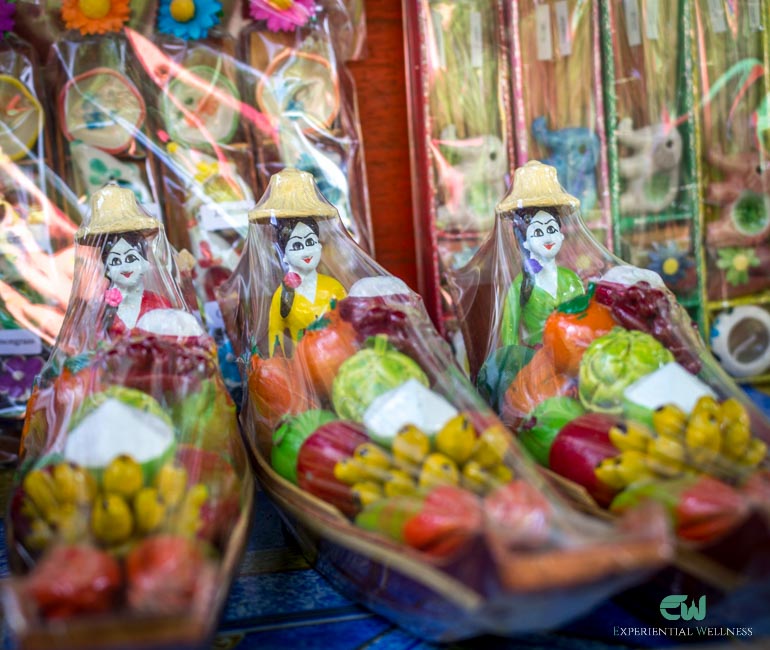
[[122, 232], [535, 207], [294, 206]]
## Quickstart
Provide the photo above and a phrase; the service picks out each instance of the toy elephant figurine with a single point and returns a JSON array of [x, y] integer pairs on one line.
[[652, 170], [574, 154], [473, 184], [742, 195]]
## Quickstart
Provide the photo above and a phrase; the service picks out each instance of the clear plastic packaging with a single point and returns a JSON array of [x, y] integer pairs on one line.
[[133, 498], [389, 469], [461, 139], [648, 85], [36, 239], [558, 103], [731, 69], [294, 75], [603, 376]]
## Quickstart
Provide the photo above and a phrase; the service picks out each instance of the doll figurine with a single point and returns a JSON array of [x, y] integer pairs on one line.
[[304, 294], [651, 172], [533, 208]]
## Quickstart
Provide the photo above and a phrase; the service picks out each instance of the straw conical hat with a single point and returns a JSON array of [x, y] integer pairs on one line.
[[535, 185], [292, 193], [114, 209]]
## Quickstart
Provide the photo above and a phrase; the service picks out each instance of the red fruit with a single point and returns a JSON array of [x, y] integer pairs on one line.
[[518, 514], [277, 388], [708, 509], [323, 349], [449, 519], [579, 448], [319, 454], [164, 573], [74, 580]]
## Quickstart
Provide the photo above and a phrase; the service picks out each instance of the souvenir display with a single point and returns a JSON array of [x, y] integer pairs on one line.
[[35, 238], [559, 108], [460, 135], [650, 120], [732, 71], [101, 119], [372, 442], [133, 499], [205, 154], [604, 378], [305, 101]]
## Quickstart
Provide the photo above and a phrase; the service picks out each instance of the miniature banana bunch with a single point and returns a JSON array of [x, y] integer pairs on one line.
[[713, 439], [456, 456], [65, 502]]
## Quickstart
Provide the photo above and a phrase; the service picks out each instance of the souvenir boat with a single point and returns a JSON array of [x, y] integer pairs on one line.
[[133, 500], [399, 484]]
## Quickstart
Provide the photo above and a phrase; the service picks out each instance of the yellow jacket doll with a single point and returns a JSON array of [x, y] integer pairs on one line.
[[304, 294]]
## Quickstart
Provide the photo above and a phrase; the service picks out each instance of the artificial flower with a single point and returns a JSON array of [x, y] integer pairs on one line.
[[188, 19], [113, 297], [292, 280], [736, 263], [95, 16], [282, 15], [7, 22], [669, 262], [18, 376]]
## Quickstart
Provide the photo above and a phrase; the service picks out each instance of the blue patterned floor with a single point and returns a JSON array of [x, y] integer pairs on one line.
[[277, 603]]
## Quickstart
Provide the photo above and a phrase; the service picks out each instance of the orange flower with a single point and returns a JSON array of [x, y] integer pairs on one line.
[[95, 16]]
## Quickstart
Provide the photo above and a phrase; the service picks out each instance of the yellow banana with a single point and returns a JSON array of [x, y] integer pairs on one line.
[[438, 469], [350, 471], [667, 457], [607, 473], [41, 492], [367, 492], [703, 437], [669, 421], [630, 435], [399, 483], [373, 460]]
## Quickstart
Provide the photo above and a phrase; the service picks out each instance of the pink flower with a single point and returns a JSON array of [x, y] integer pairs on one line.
[[113, 297], [282, 15], [292, 280]]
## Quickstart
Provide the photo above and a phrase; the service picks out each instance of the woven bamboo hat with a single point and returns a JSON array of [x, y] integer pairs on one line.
[[292, 193], [114, 209], [535, 185]]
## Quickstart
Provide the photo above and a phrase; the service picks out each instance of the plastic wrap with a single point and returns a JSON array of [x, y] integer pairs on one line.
[[604, 377], [36, 238], [296, 79], [392, 473], [462, 147], [648, 85], [558, 103], [132, 501], [732, 71]]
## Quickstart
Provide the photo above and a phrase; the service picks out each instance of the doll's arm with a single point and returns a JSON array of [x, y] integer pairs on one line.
[[276, 325]]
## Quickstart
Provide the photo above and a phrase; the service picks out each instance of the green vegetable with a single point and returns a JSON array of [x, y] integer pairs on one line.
[[548, 419], [368, 374], [290, 437], [615, 361]]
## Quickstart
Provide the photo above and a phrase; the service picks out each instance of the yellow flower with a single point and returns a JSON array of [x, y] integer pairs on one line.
[[95, 16]]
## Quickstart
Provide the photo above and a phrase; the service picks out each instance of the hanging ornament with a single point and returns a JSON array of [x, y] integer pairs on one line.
[[283, 15], [21, 117], [188, 19], [95, 16]]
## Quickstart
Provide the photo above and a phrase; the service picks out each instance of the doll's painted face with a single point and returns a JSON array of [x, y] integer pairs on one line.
[[544, 236], [126, 266], [303, 250]]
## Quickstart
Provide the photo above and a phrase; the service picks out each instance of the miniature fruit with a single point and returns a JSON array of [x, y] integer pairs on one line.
[[410, 446], [491, 447], [171, 483], [40, 489], [457, 438], [366, 493], [373, 460], [398, 483], [149, 510], [73, 484], [123, 476], [539, 432], [290, 437], [438, 469], [519, 514], [669, 421], [111, 519]]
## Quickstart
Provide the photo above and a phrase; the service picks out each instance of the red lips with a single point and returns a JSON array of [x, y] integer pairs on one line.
[[307, 260], [127, 274], [549, 246]]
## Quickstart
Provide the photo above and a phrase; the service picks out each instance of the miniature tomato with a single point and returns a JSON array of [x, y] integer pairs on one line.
[[277, 388]]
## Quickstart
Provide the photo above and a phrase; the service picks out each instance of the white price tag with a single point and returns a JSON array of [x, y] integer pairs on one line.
[[477, 55], [651, 19], [633, 23], [544, 40], [225, 216], [19, 342], [563, 28], [438, 31], [755, 15], [717, 13]]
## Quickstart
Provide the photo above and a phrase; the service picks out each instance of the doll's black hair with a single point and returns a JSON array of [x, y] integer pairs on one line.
[[521, 219], [284, 229]]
